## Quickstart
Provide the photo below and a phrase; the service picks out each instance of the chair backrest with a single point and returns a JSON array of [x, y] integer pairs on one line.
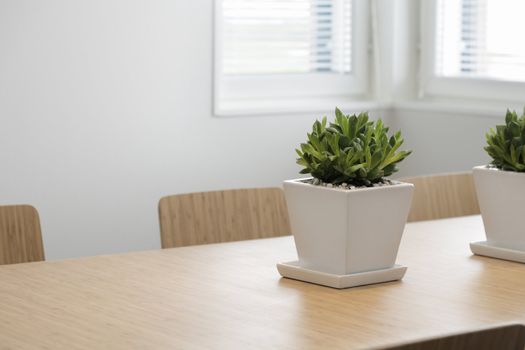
[[222, 216], [20, 235], [443, 196], [506, 337]]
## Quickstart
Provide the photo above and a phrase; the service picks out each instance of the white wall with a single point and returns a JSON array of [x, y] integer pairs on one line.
[[105, 106], [442, 141]]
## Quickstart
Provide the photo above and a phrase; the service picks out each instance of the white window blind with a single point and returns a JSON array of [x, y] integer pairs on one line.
[[480, 39], [261, 37]]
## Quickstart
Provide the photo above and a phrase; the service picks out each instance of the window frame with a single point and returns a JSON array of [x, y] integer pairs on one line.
[[233, 93], [431, 85]]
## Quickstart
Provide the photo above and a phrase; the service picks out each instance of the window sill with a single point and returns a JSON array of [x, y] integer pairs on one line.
[[469, 107], [294, 106]]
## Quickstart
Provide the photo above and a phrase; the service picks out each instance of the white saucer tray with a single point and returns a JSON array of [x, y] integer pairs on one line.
[[485, 249], [294, 271]]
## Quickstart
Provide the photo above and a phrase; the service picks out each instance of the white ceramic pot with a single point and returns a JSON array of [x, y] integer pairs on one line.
[[347, 231], [501, 197]]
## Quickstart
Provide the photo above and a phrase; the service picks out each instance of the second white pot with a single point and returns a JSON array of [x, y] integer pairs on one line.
[[501, 196], [342, 231]]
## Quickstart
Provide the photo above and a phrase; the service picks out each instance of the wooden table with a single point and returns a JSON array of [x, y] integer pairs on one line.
[[230, 296]]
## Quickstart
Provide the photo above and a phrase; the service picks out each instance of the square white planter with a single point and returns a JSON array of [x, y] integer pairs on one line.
[[342, 232], [501, 197]]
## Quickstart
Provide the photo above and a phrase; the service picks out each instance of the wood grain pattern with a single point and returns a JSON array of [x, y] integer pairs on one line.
[[443, 196], [222, 216], [20, 235], [230, 296], [505, 337]]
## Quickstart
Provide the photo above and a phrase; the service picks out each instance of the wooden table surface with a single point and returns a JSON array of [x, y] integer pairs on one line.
[[230, 296]]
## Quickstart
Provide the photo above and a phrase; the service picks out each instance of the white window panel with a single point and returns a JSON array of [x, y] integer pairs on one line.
[[473, 48], [290, 49]]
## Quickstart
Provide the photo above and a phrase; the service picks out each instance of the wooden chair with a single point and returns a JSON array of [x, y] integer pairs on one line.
[[443, 196], [506, 337], [222, 216], [20, 235]]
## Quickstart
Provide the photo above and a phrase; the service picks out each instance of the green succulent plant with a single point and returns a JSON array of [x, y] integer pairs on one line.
[[506, 144], [352, 149]]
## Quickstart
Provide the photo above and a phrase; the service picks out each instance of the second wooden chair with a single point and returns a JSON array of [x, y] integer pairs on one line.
[[443, 196], [222, 216]]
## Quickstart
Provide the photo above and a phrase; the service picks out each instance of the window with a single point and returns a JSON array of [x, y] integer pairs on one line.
[[271, 50], [471, 42]]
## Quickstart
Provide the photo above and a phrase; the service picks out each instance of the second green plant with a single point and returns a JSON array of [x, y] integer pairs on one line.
[[352, 150], [506, 144]]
